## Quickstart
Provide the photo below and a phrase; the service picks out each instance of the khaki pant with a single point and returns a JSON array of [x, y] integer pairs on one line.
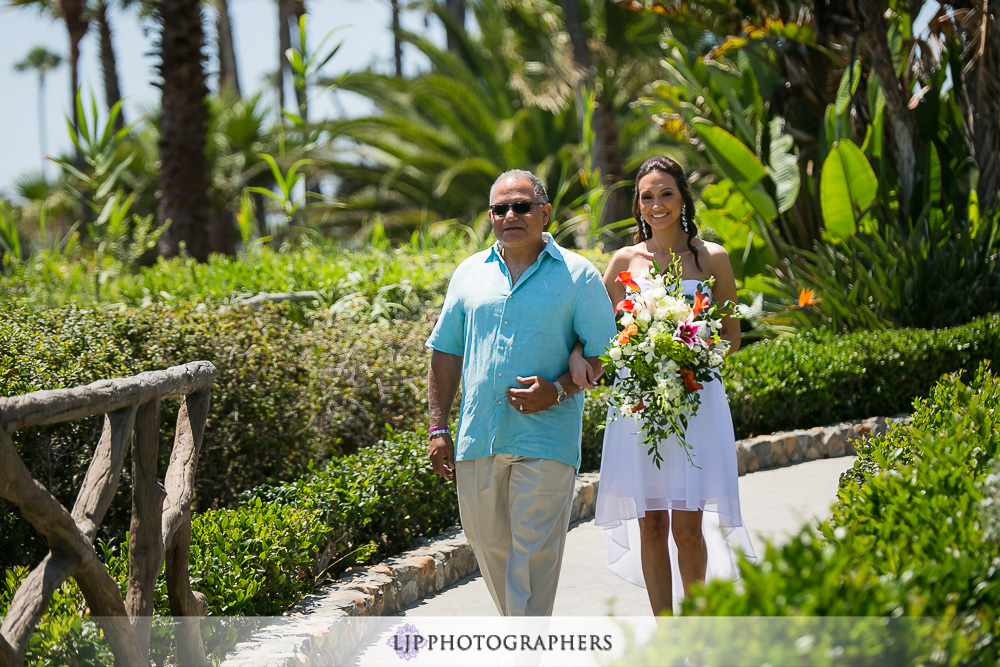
[[515, 511]]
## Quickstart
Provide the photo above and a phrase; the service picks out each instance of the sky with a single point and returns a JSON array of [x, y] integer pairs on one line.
[[363, 28]]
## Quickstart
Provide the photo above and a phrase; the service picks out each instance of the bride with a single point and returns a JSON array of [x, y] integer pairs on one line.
[[680, 524]]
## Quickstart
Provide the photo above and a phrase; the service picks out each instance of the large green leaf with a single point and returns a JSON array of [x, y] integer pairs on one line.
[[848, 86], [735, 161], [847, 188], [731, 156]]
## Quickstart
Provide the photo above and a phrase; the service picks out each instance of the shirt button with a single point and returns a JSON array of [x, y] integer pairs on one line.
[[499, 402], [505, 321], [501, 347], [500, 375]]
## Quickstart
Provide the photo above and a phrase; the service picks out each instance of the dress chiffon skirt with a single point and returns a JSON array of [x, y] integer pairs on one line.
[[632, 485]]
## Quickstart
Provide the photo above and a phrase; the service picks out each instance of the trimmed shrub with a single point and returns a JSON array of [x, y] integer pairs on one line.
[[910, 541], [818, 378], [376, 501]]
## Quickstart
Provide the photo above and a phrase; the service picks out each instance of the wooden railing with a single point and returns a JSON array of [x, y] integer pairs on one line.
[[160, 531]]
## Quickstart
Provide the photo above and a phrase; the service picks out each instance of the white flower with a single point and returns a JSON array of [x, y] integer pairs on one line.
[[671, 308], [627, 319], [615, 354], [644, 316], [654, 294]]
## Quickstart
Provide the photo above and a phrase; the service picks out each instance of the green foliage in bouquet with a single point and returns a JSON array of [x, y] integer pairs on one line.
[[914, 540]]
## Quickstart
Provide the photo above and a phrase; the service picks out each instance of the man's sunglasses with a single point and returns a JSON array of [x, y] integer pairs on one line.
[[520, 207]]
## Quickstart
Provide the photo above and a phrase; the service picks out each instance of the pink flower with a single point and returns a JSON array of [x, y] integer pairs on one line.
[[687, 333]]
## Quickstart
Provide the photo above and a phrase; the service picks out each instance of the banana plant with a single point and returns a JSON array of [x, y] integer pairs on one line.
[[99, 147]]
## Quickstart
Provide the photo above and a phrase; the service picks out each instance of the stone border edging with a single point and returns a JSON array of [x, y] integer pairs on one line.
[[396, 583]]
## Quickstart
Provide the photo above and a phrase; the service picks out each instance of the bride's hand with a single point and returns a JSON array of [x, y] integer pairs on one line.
[[581, 371]]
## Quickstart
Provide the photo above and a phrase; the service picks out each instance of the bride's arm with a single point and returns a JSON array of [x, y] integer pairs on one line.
[[620, 261], [581, 370], [724, 290]]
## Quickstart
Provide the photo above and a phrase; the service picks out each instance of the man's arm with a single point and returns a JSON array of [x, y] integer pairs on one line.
[[540, 394], [443, 379]]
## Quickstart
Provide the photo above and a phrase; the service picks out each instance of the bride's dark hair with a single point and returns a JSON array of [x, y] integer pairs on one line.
[[667, 166]]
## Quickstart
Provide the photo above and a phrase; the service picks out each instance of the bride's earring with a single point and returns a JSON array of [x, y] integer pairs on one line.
[[644, 227], [684, 220]]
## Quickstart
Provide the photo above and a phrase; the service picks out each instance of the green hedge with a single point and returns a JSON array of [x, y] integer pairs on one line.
[[917, 538], [819, 378], [288, 393]]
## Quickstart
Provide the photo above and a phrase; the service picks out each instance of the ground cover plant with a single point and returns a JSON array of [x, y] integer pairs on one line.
[[913, 536]]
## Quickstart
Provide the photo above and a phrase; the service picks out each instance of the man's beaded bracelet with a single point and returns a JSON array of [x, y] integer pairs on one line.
[[438, 430]]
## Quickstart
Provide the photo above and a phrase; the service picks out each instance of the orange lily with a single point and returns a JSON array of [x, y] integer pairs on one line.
[[627, 333], [807, 297], [625, 304], [625, 278], [689, 380], [700, 303]]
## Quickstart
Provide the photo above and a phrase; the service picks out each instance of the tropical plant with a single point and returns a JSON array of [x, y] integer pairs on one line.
[[843, 166], [439, 140]]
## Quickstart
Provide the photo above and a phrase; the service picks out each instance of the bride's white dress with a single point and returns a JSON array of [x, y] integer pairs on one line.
[[631, 485]]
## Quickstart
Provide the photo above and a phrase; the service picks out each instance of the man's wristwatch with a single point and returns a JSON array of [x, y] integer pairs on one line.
[[561, 394]]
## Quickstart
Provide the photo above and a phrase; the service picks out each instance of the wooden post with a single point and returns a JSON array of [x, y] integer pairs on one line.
[[145, 547]]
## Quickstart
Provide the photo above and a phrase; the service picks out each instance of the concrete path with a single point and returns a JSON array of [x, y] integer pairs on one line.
[[775, 504]]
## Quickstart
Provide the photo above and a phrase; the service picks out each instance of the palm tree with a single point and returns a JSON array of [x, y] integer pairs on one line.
[[183, 128], [229, 76], [42, 61], [109, 64], [72, 13], [456, 9], [284, 43]]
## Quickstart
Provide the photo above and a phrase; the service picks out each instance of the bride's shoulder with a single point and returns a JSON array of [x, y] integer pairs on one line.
[[710, 248], [624, 256]]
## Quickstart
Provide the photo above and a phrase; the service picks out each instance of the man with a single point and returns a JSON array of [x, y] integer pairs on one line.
[[510, 319]]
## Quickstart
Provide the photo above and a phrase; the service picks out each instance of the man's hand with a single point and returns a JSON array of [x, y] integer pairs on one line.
[[442, 451], [540, 394]]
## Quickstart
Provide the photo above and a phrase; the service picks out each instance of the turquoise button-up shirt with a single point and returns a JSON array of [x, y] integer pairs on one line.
[[505, 331]]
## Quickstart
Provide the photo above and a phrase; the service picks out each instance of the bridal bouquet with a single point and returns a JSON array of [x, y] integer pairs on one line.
[[670, 345]]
